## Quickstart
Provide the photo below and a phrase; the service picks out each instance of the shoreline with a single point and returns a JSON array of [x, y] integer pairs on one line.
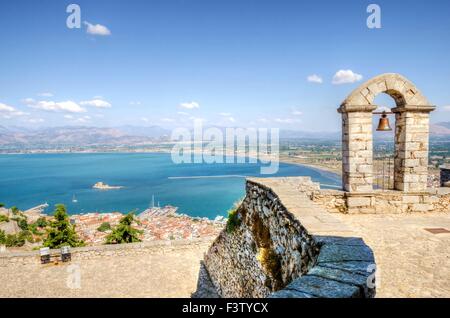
[[282, 159]]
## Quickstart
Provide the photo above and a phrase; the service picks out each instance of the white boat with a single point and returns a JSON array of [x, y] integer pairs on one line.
[[74, 200]]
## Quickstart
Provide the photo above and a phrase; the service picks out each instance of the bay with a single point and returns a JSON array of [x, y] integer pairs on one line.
[[203, 190]]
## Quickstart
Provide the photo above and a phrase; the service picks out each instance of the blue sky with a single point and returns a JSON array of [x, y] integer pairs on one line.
[[230, 62]]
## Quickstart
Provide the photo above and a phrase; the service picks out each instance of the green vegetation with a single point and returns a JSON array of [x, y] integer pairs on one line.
[[14, 240], [124, 231], [2, 205], [105, 226], [233, 220], [22, 223], [15, 210], [2, 237], [61, 232], [41, 222], [4, 218]]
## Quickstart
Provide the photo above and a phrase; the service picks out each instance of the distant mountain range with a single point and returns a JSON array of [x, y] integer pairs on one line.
[[134, 135], [440, 129], [80, 136]]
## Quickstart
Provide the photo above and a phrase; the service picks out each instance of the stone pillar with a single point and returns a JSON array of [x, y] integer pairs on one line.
[[411, 148], [357, 150]]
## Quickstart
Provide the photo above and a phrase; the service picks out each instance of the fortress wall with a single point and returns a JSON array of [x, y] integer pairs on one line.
[[264, 253], [99, 251], [381, 201], [271, 254]]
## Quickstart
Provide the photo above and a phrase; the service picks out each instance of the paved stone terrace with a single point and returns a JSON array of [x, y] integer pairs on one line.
[[160, 269], [411, 262]]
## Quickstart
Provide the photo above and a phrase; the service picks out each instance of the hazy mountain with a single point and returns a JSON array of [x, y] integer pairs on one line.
[[147, 131], [442, 128], [76, 136]]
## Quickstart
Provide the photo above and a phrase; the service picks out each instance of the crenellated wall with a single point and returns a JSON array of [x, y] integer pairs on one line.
[[272, 253]]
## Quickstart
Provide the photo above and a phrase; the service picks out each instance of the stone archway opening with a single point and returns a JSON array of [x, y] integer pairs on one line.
[[411, 135], [383, 144]]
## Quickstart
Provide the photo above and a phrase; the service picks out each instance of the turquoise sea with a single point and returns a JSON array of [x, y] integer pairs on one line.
[[33, 179]]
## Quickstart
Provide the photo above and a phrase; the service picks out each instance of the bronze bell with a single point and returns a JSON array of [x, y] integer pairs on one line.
[[383, 125]]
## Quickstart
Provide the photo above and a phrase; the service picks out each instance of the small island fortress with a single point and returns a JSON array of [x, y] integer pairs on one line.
[[103, 186]]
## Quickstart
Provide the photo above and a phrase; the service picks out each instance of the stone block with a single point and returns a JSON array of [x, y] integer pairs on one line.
[[358, 201], [421, 207], [341, 253], [290, 293], [357, 279], [411, 199], [324, 288]]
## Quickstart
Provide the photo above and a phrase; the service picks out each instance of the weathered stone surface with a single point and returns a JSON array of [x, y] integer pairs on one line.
[[359, 267], [357, 279], [324, 288], [341, 253], [290, 293]]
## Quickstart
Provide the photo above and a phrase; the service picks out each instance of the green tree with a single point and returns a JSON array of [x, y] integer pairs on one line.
[[2, 205], [124, 232], [61, 232]]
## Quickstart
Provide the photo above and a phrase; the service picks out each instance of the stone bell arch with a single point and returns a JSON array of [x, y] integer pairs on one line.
[[411, 135]]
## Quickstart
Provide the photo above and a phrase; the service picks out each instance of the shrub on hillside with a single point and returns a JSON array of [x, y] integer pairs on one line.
[[4, 218], [15, 210], [233, 220], [105, 226], [2, 237], [41, 222], [13, 240]]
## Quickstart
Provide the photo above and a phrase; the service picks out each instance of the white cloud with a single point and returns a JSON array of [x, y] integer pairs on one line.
[[6, 108], [99, 103], [35, 120], [314, 78], [9, 111], [68, 116], [135, 103], [225, 114], [167, 120], [286, 120], [97, 29], [45, 94], [345, 77], [145, 119], [190, 105], [28, 101], [446, 108], [66, 106], [296, 112], [262, 120], [84, 119]]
